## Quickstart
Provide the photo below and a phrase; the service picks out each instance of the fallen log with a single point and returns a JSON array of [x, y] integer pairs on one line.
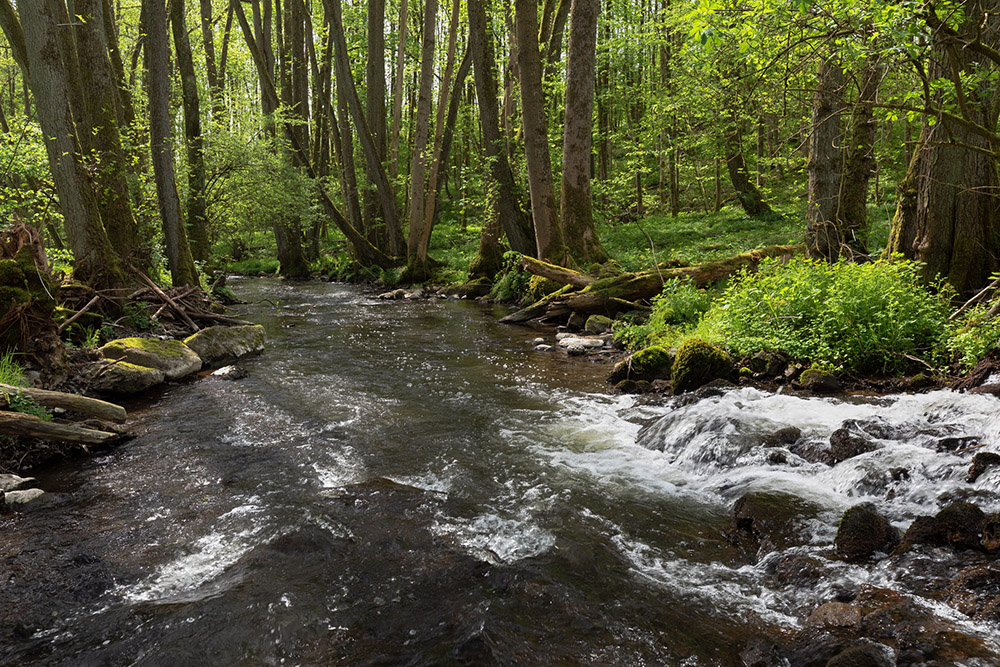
[[57, 399], [618, 293], [555, 273], [17, 423]]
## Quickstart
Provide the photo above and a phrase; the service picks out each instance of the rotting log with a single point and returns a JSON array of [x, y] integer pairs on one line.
[[17, 423], [558, 274], [57, 399], [619, 293]]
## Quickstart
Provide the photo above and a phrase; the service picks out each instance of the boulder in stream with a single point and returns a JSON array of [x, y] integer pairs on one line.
[[219, 345], [845, 445], [975, 590], [123, 378], [173, 357], [598, 324], [958, 525], [650, 363], [863, 532], [22, 497], [982, 462], [765, 521], [819, 381], [698, 362], [13, 482]]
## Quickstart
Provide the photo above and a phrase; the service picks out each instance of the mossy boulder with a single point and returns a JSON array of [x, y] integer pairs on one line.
[[650, 363], [172, 357], [12, 273], [122, 377], [862, 532], [698, 362], [982, 462], [765, 521], [819, 381], [539, 288], [221, 345], [598, 324], [958, 525]]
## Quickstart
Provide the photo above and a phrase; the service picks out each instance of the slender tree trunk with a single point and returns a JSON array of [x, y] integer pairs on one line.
[[182, 269], [860, 164], [577, 208], [197, 209], [397, 93], [95, 262], [211, 69], [750, 198], [501, 187], [824, 237], [375, 104], [417, 266], [126, 107], [548, 234]]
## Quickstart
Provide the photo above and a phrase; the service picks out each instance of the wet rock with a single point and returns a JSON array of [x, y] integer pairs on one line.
[[874, 427], [633, 387], [819, 381], [769, 521], [762, 651], [862, 655], [108, 377], [13, 482], [22, 497], [470, 290], [538, 341], [218, 345], [769, 364], [990, 532], [651, 363], [958, 525], [698, 363], [783, 437], [582, 342], [953, 444], [797, 572], [598, 324], [863, 532], [834, 615], [544, 348], [982, 462], [973, 589], [393, 295], [577, 321], [172, 357], [845, 445], [415, 295], [230, 373]]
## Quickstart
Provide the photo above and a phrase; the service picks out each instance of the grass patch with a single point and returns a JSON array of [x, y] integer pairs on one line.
[[254, 266]]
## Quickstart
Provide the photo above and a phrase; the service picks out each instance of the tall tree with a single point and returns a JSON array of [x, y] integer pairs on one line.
[[824, 238], [577, 208], [182, 268], [375, 109], [548, 235]]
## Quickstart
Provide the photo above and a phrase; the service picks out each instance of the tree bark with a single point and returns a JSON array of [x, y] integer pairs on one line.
[[211, 68], [375, 104], [197, 209], [182, 269], [548, 235], [577, 209], [502, 191], [824, 237], [397, 93], [750, 198], [860, 164]]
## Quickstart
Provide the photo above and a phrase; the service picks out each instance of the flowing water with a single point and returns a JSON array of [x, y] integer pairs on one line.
[[408, 483]]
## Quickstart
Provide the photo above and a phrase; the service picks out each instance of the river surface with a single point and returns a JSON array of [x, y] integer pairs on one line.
[[409, 483]]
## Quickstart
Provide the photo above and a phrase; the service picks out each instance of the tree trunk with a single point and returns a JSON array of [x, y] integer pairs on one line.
[[288, 243], [577, 209], [397, 93], [416, 266], [197, 216], [824, 237], [211, 68], [95, 260], [859, 165], [375, 104], [502, 191], [751, 199], [548, 235], [182, 269]]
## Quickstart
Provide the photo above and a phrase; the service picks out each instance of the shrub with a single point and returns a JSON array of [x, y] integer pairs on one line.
[[679, 305], [511, 284], [970, 338], [855, 317]]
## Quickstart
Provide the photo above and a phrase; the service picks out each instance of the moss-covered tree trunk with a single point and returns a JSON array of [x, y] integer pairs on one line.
[[823, 234], [577, 211]]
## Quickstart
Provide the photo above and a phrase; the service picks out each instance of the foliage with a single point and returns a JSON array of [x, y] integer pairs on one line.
[[12, 372], [971, 337], [27, 405], [678, 306], [511, 284], [137, 316], [254, 266], [855, 317]]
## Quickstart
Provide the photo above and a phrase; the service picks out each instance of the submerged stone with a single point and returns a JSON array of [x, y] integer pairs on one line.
[[769, 521], [172, 357]]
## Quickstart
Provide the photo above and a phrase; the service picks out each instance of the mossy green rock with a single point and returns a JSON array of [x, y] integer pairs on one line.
[[598, 324], [221, 345], [122, 378], [173, 357], [650, 363], [539, 288], [698, 363], [819, 381], [862, 532]]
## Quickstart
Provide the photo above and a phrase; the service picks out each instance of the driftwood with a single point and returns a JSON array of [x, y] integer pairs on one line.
[[79, 314], [17, 423], [74, 402], [173, 304], [620, 293]]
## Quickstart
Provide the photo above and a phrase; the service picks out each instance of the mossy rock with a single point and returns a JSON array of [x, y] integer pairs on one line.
[[219, 345], [11, 273], [765, 521], [698, 362], [650, 363], [122, 378], [958, 525], [819, 381], [88, 320], [598, 324], [862, 532], [173, 357], [539, 288]]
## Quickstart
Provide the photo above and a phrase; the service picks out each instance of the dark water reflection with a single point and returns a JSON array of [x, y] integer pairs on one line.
[[384, 488]]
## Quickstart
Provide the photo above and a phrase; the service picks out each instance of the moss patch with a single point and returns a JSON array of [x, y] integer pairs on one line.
[[697, 363], [164, 348]]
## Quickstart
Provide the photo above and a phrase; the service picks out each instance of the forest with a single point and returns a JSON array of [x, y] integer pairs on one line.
[[417, 143]]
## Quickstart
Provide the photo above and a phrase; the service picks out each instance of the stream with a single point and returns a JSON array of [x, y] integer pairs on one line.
[[409, 483]]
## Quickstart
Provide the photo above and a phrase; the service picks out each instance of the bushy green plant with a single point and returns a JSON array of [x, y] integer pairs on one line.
[[678, 307], [11, 370], [512, 282], [855, 317], [25, 404], [971, 337], [137, 316]]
